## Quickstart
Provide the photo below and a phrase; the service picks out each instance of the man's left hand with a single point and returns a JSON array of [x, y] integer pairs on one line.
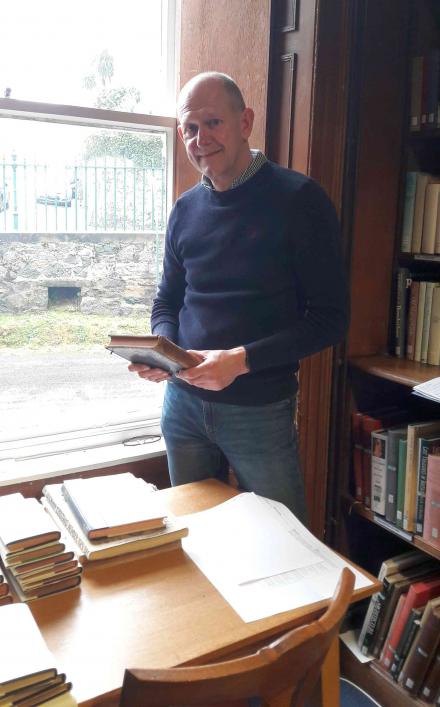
[[218, 369]]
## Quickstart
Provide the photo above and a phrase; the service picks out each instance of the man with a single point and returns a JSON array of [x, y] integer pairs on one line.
[[253, 281]]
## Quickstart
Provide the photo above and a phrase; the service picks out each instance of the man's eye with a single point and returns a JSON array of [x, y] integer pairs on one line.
[[214, 122], [190, 130]]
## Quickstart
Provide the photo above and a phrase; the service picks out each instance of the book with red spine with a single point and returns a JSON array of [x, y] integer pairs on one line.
[[387, 651]]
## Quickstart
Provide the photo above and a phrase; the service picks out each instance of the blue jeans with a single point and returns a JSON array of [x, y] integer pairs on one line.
[[259, 442]]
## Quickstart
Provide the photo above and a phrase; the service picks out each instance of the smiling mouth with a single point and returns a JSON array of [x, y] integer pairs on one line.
[[211, 154]]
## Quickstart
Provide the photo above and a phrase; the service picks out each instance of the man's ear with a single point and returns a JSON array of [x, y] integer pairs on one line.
[[247, 122]]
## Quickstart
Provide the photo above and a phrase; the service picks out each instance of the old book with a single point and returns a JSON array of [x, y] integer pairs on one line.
[[412, 319], [357, 452], [431, 681], [27, 659], [401, 474], [420, 320], [45, 562], [114, 505], [423, 179], [55, 587], [415, 431], [416, 92], [403, 288], [409, 633], [433, 84], [408, 211], [430, 218], [6, 600], [23, 524], [394, 436], [423, 649], [56, 505], [431, 523], [389, 567], [37, 689], [379, 443], [387, 649], [369, 425], [433, 354], [39, 552], [154, 351], [64, 569], [427, 445], [430, 286]]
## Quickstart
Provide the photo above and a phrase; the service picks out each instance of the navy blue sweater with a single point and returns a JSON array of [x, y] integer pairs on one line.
[[260, 266]]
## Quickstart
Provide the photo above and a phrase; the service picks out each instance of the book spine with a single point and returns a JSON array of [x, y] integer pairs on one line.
[[417, 662], [431, 680], [406, 640], [416, 92], [403, 285], [420, 321], [433, 354], [378, 472], [412, 319], [71, 502], [401, 471], [391, 477], [65, 522], [409, 504], [389, 649], [408, 211], [356, 422], [433, 86], [431, 527], [370, 623], [426, 321]]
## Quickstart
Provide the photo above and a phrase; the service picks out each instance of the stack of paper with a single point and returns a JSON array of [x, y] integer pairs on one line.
[[167, 536], [261, 558], [36, 560], [28, 671], [430, 389]]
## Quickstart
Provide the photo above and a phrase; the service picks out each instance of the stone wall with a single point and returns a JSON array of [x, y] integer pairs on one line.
[[116, 273]]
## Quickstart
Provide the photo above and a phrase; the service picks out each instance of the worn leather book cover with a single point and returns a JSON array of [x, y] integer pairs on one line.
[[431, 681], [23, 524], [154, 351], [409, 633], [423, 649]]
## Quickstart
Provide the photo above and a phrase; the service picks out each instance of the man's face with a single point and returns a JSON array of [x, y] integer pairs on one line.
[[215, 133]]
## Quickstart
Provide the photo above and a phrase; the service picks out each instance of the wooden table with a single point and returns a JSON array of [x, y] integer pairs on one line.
[[157, 611]]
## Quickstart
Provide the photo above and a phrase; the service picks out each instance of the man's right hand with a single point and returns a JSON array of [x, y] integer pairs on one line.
[[155, 375]]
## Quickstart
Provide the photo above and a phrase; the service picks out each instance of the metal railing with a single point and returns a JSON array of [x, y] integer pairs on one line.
[[100, 196]]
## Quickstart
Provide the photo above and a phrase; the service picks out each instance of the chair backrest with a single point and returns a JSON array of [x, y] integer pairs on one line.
[[283, 672]]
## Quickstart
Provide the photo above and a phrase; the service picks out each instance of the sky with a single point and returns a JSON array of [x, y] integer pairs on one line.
[[48, 47]]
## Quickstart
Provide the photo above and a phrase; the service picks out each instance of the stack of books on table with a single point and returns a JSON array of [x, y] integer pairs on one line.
[[35, 557], [402, 624], [5, 595], [28, 670], [112, 515]]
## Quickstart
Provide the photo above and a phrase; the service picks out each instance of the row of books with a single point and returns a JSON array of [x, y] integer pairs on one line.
[[425, 91], [396, 469], [36, 558], [112, 515], [29, 675], [421, 222], [417, 320], [401, 627]]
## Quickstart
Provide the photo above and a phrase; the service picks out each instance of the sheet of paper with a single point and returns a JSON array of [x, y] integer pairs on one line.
[[430, 389], [248, 540], [350, 640], [285, 591]]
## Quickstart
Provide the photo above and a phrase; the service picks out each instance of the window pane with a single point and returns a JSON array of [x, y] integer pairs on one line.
[[95, 54], [82, 219]]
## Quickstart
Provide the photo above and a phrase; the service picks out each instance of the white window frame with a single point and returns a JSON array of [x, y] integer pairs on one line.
[[78, 449]]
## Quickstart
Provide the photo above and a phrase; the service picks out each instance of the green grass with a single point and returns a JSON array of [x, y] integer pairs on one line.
[[57, 328]]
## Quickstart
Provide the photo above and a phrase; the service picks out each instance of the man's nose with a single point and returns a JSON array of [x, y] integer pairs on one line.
[[203, 136]]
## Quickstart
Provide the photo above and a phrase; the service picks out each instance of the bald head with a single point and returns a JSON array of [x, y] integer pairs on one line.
[[213, 79]]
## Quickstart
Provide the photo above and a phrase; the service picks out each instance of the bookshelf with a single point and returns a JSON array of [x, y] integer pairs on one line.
[[387, 36]]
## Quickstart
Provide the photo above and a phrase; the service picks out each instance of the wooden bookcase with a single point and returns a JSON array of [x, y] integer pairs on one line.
[[386, 37]]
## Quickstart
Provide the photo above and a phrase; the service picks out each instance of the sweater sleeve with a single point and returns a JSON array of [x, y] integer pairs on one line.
[[321, 283], [171, 291]]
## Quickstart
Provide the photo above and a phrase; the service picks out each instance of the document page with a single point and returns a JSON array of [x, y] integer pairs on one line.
[[251, 581], [430, 389]]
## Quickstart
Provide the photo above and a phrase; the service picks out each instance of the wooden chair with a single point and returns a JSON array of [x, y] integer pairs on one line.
[[282, 673]]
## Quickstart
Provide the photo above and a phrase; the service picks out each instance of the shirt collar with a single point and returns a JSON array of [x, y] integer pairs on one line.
[[258, 159]]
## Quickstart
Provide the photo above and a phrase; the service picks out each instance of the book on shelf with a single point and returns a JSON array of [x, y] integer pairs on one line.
[[154, 351], [403, 290], [369, 425], [433, 352], [407, 638], [114, 505], [416, 93], [413, 304], [423, 649], [419, 323], [408, 211], [27, 661], [432, 63], [395, 435], [390, 566], [23, 524], [431, 522], [427, 445], [423, 180], [426, 329], [388, 651], [401, 476], [430, 218], [419, 593], [415, 431], [379, 442], [393, 586], [357, 452], [55, 504], [431, 680]]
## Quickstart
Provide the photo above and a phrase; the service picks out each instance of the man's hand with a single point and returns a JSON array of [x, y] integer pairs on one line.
[[217, 370], [155, 375]]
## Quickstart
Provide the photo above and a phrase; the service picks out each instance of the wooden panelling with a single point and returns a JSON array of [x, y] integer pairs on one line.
[[231, 36]]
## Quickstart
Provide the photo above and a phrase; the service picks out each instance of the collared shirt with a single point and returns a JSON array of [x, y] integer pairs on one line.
[[258, 160]]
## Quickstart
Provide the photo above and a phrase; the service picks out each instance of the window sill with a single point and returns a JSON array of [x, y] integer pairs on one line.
[[45, 467]]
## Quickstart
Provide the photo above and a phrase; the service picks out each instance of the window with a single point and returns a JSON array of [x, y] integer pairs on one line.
[[85, 184]]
